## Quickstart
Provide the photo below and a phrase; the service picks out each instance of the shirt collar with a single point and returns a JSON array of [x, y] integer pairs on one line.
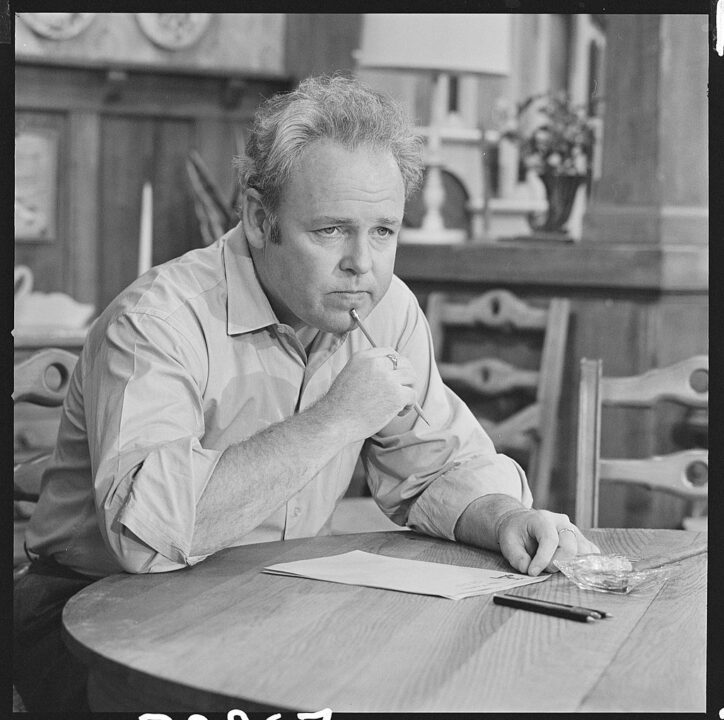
[[248, 307]]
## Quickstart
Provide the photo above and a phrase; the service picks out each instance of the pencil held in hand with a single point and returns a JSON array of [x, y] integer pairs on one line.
[[359, 324]]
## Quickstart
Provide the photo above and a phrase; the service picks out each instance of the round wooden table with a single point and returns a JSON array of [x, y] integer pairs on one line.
[[222, 636]]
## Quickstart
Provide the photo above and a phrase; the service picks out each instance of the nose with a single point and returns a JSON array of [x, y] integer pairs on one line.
[[357, 257]]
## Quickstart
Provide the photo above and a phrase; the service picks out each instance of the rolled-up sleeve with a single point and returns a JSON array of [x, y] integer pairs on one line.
[[144, 416], [423, 476]]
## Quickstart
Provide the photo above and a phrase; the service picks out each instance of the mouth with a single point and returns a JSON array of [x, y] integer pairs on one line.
[[351, 297]]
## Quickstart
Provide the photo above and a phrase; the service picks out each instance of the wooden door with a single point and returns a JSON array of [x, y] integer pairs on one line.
[[136, 149]]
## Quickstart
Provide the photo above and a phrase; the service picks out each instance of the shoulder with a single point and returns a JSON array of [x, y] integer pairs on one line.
[[177, 284], [397, 315], [172, 304], [185, 284]]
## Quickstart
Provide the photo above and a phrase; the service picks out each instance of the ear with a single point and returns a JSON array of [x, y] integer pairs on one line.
[[256, 221]]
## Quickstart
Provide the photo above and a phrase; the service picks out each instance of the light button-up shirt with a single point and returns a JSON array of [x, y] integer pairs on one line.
[[191, 359]]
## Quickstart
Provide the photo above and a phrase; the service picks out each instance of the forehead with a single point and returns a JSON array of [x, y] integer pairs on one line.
[[328, 173]]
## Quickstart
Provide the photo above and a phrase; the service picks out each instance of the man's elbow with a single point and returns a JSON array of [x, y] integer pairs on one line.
[[152, 563], [136, 557]]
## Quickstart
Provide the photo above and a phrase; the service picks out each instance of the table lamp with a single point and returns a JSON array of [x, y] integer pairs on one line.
[[441, 44]]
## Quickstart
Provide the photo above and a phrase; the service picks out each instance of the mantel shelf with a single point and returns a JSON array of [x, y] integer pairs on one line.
[[664, 268]]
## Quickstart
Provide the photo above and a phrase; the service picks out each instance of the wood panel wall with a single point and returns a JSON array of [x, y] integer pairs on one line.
[[118, 129]]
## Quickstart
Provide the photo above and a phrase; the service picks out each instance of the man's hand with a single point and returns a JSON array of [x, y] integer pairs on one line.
[[528, 539], [370, 391]]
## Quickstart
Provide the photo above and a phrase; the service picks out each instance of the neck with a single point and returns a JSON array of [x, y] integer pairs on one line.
[[305, 335]]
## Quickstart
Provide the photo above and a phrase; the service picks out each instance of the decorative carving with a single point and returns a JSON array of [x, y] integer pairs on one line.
[[173, 31], [495, 308], [488, 376], [58, 26]]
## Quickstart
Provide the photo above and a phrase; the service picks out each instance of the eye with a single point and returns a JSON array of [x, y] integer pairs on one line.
[[384, 232], [329, 232]]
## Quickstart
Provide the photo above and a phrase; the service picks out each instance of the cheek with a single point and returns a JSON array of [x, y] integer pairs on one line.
[[310, 278], [384, 268], [298, 269]]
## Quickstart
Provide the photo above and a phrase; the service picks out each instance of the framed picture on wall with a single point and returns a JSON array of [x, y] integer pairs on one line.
[[36, 184]]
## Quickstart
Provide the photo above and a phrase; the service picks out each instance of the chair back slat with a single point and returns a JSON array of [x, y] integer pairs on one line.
[[489, 376], [686, 382], [531, 429], [518, 432], [43, 378], [496, 308], [588, 444], [683, 473]]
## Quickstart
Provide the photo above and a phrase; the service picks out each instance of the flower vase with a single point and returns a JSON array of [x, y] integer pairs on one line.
[[560, 193]]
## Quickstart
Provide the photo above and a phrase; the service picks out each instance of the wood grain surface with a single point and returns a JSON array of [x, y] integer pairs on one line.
[[222, 635]]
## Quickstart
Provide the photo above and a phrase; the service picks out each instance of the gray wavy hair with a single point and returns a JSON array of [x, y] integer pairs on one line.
[[334, 107]]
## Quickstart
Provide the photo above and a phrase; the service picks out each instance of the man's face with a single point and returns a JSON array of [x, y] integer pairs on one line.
[[338, 221]]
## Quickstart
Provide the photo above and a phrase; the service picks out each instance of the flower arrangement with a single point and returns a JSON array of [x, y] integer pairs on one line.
[[560, 142], [555, 140]]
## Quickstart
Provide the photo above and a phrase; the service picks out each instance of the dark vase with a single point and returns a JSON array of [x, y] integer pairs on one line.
[[560, 192]]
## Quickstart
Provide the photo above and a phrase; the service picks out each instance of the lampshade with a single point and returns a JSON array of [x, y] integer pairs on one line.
[[444, 42]]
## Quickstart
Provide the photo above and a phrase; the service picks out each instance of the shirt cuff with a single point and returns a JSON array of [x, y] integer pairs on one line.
[[438, 509], [161, 505]]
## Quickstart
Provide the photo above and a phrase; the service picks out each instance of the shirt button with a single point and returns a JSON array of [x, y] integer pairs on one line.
[[296, 512]]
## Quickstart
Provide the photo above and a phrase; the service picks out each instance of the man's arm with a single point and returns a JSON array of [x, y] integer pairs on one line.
[[254, 477]]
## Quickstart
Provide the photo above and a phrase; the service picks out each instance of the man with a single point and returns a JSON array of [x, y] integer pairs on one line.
[[225, 397]]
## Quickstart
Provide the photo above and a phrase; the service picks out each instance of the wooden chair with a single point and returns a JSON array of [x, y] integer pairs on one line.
[[529, 431], [683, 473], [42, 379]]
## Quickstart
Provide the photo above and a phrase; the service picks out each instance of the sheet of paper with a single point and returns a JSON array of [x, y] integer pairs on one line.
[[413, 576]]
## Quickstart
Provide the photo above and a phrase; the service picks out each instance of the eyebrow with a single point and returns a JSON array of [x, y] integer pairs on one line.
[[329, 220]]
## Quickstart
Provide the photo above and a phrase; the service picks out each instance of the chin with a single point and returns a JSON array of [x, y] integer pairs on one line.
[[335, 322], [339, 326]]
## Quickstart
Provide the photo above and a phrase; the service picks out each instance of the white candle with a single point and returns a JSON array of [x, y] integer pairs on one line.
[[145, 243]]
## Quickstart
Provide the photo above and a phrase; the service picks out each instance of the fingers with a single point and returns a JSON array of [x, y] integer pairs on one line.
[[548, 543], [517, 556], [529, 540], [571, 542], [389, 360], [568, 546], [533, 540], [401, 370]]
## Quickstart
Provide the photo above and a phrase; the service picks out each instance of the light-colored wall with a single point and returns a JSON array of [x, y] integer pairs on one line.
[[232, 42]]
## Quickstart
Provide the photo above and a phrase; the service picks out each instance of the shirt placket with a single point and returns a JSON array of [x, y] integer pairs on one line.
[[318, 377]]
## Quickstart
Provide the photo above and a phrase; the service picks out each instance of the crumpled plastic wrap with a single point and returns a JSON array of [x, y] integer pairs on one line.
[[609, 573]]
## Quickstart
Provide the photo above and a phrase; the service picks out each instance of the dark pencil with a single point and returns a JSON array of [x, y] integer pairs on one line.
[[596, 613], [569, 612]]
